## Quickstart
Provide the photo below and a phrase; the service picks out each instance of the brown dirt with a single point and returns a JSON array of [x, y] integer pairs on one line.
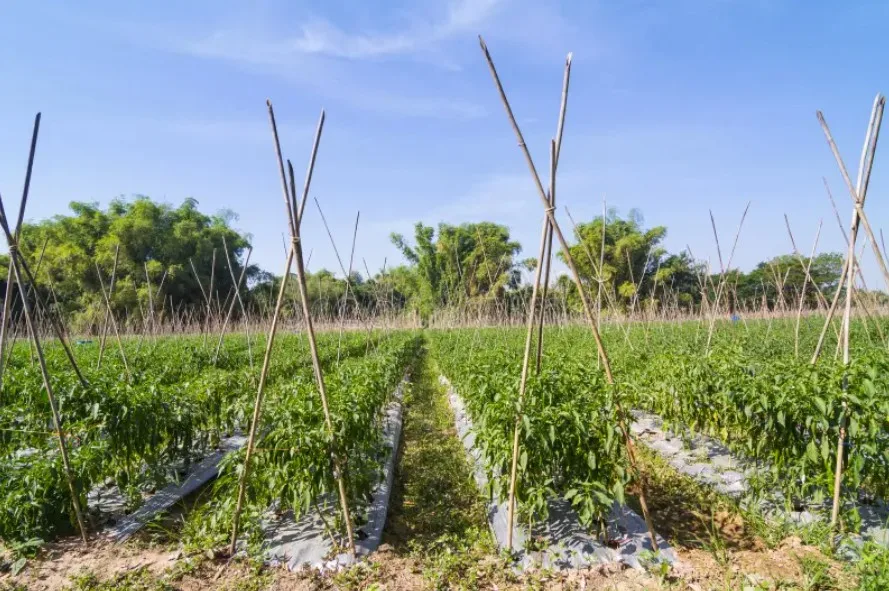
[[68, 558]]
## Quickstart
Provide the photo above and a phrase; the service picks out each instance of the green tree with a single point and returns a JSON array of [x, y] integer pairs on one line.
[[469, 263], [632, 258], [153, 238]]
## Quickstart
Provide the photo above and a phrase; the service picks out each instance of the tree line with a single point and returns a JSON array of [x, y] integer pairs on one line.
[[180, 260]]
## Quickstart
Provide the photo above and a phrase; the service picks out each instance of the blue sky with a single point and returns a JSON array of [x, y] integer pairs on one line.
[[675, 108]]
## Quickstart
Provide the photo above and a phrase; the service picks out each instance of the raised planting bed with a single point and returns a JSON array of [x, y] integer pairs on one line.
[[307, 541], [561, 541], [124, 526], [710, 463]]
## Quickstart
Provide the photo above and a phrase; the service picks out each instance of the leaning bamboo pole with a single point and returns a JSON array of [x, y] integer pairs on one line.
[[866, 165], [235, 300], [108, 311], [15, 261], [107, 298], [7, 298], [294, 216], [866, 161], [722, 278], [859, 194], [5, 321], [588, 310], [806, 269], [23, 264]]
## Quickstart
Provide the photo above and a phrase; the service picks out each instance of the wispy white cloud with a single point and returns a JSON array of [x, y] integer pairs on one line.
[[349, 59], [322, 58], [319, 36]]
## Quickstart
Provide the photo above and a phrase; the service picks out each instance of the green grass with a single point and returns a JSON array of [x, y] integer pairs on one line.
[[437, 515]]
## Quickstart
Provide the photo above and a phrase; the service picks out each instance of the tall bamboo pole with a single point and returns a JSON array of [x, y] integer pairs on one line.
[[10, 276], [47, 384], [23, 263], [295, 252], [588, 310], [866, 163], [538, 272], [547, 257], [859, 194]]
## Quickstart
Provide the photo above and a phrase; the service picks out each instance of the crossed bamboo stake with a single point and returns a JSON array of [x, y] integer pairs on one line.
[[20, 272], [588, 310], [858, 193], [294, 253]]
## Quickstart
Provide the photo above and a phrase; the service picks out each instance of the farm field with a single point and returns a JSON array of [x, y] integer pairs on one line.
[[606, 411], [750, 392], [179, 401]]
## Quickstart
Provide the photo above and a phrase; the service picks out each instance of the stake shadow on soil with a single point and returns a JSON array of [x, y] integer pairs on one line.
[[434, 495]]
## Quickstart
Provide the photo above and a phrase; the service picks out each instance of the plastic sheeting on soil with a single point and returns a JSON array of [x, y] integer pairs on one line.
[[711, 463], [568, 543], [305, 542], [198, 475]]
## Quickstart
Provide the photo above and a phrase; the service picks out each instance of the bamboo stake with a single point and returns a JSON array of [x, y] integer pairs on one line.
[[123, 355], [822, 300], [26, 308], [867, 162], [319, 377], [859, 194], [583, 296], [108, 311], [151, 299], [210, 292], [865, 169], [348, 275], [598, 270], [339, 344], [295, 252], [235, 300], [5, 321], [11, 301], [513, 474], [257, 406], [802, 295], [547, 257], [601, 272], [722, 278], [23, 263]]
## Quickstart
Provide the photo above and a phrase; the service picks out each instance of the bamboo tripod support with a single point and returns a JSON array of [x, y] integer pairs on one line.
[[15, 262], [294, 216], [859, 194], [588, 311]]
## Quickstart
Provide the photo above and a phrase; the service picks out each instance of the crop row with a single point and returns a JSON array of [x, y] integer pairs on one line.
[[571, 444], [135, 433], [749, 389]]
